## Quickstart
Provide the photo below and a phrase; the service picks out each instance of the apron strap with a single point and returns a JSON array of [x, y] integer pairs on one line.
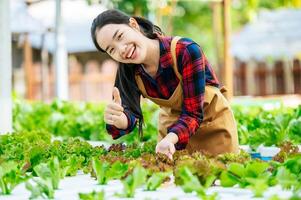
[[141, 86], [175, 66], [174, 56]]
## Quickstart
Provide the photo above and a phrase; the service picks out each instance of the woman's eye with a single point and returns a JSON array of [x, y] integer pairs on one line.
[[119, 37], [111, 50]]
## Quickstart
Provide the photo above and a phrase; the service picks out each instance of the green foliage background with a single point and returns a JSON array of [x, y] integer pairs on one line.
[[193, 18]]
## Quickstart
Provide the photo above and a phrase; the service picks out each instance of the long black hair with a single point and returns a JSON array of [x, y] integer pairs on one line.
[[125, 77]]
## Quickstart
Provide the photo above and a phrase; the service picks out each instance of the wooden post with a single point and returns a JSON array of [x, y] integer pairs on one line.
[[250, 78], [44, 71], [228, 68], [217, 31], [288, 76], [279, 77], [297, 75], [243, 68], [261, 78], [29, 74], [170, 17], [270, 78]]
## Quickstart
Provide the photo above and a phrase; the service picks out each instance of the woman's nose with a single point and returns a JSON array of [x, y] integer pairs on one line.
[[123, 51]]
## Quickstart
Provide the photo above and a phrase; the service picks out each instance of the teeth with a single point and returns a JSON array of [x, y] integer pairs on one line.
[[131, 52]]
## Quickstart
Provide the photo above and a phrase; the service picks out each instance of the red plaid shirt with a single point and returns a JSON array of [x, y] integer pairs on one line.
[[195, 75]]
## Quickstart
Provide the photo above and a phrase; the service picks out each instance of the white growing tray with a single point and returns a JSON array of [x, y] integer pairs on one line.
[[71, 186], [82, 183]]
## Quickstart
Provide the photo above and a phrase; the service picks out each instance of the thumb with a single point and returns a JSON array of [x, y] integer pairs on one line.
[[116, 96]]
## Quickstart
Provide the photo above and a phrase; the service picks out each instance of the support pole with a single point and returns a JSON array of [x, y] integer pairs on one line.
[[29, 73], [217, 31], [5, 69], [228, 68], [44, 71], [61, 56]]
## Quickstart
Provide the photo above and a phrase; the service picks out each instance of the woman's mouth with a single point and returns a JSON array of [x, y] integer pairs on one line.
[[132, 52]]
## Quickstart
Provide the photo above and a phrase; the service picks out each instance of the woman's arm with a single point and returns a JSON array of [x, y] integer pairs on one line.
[[130, 122], [129, 100], [192, 66]]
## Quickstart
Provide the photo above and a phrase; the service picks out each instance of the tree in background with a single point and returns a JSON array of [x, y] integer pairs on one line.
[[194, 18]]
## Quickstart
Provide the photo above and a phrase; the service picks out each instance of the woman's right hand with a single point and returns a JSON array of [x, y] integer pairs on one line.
[[114, 114]]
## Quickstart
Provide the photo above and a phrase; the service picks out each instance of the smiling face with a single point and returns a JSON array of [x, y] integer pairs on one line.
[[124, 43]]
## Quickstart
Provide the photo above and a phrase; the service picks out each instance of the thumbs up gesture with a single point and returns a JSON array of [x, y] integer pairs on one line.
[[116, 96], [114, 114]]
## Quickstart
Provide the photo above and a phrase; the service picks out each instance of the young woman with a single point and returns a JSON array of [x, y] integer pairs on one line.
[[172, 72]]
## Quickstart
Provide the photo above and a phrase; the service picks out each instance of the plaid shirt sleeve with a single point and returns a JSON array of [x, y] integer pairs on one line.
[[193, 78], [117, 133]]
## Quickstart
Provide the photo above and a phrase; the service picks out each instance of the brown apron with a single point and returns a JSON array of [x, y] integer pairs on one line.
[[217, 133]]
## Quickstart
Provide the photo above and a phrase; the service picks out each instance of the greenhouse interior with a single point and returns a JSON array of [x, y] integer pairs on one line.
[[150, 99]]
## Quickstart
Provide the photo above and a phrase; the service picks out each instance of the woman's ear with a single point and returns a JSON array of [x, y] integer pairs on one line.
[[134, 24]]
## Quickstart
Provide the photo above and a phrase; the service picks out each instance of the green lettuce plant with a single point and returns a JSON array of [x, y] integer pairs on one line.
[[10, 176]]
